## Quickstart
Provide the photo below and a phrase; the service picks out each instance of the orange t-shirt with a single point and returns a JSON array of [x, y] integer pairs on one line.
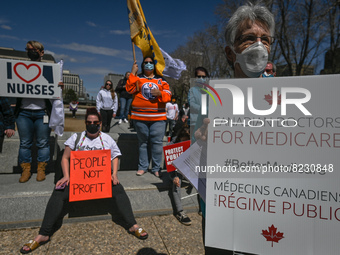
[[145, 106]]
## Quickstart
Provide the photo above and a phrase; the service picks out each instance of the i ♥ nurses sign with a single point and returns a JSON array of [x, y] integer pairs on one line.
[[30, 79]]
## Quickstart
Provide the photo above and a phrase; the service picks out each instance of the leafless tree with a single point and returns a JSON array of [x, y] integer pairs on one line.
[[332, 21], [301, 33]]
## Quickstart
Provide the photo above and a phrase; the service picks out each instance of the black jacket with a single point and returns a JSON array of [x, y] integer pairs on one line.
[[121, 91]]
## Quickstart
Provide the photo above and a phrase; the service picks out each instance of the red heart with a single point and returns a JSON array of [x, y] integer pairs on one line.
[[27, 67]]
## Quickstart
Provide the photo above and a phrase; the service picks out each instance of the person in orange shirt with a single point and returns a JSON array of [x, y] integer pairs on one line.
[[150, 94]]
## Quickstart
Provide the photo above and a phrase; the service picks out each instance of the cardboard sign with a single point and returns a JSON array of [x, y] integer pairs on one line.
[[171, 152], [29, 79], [90, 175], [273, 165]]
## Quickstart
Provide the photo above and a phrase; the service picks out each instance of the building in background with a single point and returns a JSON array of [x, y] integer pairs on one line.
[[114, 78], [73, 81], [332, 62]]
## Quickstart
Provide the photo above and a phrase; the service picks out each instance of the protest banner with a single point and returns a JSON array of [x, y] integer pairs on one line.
[[186, 164], [172, 151], [29, 79], [273, 165], [173, 67], [142, 36], [90, 175]]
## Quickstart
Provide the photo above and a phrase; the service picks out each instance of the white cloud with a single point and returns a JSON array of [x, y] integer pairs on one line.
[[120, 32], [92, 71], [164, 33], [64, 57], [10, 37], [6, 27], [91, 24], [125, 54], [3, 21]]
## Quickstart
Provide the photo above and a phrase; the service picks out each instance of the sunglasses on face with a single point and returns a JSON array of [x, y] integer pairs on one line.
[[201, 76], [30, 49], [148, 62], [92, 122], [108, 84]]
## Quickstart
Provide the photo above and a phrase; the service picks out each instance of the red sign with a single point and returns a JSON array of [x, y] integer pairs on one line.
[[90, 175], [171, 152]]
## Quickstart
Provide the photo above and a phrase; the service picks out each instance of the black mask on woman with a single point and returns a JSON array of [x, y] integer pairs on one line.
[[33, 55], [92, 128]]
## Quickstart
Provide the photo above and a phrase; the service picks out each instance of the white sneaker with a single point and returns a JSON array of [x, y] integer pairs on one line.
[[120, 121], [125, 121]]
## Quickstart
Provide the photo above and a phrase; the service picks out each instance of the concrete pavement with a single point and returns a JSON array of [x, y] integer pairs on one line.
[[88, 228], [166, 236]]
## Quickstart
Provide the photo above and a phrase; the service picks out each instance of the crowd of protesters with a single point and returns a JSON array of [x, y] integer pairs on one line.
[[146, 100]]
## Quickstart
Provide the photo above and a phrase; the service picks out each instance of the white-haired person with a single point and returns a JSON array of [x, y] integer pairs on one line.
[[249, 35]]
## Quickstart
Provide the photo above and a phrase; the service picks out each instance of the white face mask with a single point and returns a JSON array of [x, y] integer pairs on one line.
[[253, 60]]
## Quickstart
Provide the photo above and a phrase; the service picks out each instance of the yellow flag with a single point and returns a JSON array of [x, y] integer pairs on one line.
[[141, 35]]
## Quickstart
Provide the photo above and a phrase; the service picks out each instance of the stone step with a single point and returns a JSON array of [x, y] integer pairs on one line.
[[23, 204], [126, 140]]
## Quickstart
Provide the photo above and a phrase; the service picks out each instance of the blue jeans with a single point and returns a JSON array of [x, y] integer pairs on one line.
[[30, 124], [171, 124], [124, 107], [150, 133]]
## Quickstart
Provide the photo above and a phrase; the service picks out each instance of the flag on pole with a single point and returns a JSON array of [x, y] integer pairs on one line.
[[141, 35], [173, 67]]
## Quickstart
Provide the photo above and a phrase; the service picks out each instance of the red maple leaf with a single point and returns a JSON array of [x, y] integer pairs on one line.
[[272, 235], [269, 98]]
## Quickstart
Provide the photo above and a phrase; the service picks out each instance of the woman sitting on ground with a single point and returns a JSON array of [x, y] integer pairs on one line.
[[91, 139]]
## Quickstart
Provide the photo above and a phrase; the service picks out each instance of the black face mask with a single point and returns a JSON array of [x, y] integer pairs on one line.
[[33, 55], [92, 128]]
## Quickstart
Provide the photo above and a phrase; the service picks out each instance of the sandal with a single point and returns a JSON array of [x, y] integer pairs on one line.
[[138, 233], [32, 245], [140, 172]]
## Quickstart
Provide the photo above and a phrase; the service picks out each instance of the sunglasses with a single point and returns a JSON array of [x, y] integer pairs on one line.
[[31, 49], [108, 84], [201, 76], [92, 122], [148, 62]]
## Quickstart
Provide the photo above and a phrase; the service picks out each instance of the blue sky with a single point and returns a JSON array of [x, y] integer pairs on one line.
[[93, 37]]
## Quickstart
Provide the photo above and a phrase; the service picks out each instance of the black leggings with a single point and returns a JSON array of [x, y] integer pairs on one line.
[[57, 207], [106, 119]]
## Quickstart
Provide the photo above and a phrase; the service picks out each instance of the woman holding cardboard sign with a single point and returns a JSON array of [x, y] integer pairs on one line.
[[91, 139], [34, 119]]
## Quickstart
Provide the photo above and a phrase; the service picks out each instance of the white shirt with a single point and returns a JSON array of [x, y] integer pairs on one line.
[[171, 110], [33, 104], [94, 144], [104, 101]]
